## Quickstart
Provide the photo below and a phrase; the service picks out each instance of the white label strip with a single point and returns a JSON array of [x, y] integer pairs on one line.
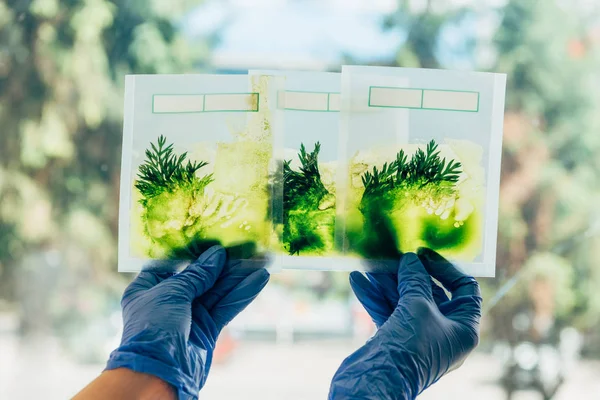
[[395, 97], [175, 103], [335, 102], [447, 100], [195, 103], [231, 102], [305, 101]]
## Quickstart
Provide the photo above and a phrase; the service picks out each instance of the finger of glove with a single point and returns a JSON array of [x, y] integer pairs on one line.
[[239, 298], [439, 295], [371, 298], [413, 279], [203, 332], [200, 275], [455, 281], [466, 310], [386, 283], [233, 273], [144, 281]]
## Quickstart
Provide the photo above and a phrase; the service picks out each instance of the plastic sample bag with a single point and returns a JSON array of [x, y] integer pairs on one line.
[[197, 166], [421, 160], [306, 232]]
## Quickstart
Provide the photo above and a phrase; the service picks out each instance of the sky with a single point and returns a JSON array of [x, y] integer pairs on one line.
[[317, 34], [312, 33]]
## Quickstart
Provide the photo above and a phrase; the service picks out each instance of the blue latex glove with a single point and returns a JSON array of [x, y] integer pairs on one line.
[[421, 333], [171, 321]]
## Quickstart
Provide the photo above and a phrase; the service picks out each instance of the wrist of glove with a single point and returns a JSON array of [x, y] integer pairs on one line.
[[172, 321], [164, 359]]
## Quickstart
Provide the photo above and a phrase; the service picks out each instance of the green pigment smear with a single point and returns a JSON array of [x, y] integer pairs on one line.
[[411, 203], [308, 207], [179, 218], [403, 205]]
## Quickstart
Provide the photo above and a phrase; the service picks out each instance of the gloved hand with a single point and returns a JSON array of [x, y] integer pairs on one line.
[[421, 333], [171, 321]]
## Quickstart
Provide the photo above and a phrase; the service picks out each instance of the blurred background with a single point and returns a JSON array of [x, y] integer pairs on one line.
[[62, 67]]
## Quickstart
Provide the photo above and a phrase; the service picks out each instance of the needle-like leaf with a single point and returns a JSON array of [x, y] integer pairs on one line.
[[163, 170], [424, 168]]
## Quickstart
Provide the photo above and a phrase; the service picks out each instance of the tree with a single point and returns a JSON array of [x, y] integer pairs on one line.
[[62, 73], [550, 172], [550, 183], [423, 23]]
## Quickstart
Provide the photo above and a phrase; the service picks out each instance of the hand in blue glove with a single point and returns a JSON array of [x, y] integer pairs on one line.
[[421, 333], [171, 321]]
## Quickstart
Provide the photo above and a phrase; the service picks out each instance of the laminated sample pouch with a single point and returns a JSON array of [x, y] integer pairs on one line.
[[197, 166], [309, 160], [421, 157], [328, 171]]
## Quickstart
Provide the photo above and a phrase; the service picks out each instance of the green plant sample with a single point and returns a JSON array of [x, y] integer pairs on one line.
[[180, 217], [427, 175], [308, 207], [411, 202], [178, 211], [164, 171], [170, 190]]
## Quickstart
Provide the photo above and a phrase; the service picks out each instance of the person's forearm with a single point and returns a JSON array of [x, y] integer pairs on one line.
[[123, 383]]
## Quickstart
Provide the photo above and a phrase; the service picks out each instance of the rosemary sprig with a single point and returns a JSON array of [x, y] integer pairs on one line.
[[306, 183], [303, 193], [163, 170], [424, 168], [428, 167], [380, 181]]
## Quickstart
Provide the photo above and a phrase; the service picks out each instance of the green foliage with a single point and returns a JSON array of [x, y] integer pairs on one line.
[[307, 205], [61, 78], [164, 171], [550, 158], [424, 168], [423, 30], [171, 189], [425, 178], [62, 69], [304, 185]]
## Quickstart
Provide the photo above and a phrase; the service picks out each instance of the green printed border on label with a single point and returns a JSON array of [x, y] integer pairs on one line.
[[307, 91], [422, 90], [257, 102]]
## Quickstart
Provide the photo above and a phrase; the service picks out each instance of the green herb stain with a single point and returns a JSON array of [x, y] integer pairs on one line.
[[170, 188], [308, 207], [413, 202], [180, 211]]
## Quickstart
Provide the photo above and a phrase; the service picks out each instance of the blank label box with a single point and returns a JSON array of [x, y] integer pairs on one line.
[[304, 101], [197, 103], [395, 97], [231, 102], [177, 103], [450, 100]]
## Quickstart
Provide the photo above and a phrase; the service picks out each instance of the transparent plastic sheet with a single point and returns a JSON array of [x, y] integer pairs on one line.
[[380, 111], [219, 133], [410, 200], [311, 103]]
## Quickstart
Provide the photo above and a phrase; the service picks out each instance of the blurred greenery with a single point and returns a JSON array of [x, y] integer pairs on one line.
[[551, 171], [550, 186], [62, 67], [550, 167], [550, 183], [62, 64]]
